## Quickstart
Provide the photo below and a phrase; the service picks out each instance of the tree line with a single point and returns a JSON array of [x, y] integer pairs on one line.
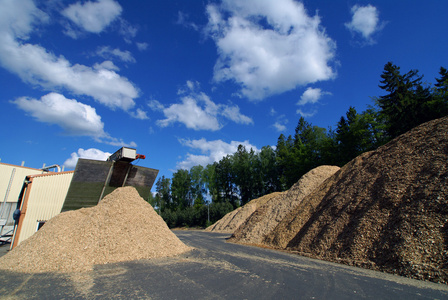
[[204, 194]]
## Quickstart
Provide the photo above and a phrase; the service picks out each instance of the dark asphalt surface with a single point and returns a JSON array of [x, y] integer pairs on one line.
[[219, 270]]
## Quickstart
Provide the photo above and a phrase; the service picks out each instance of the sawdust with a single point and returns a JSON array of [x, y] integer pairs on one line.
[[122, 227], [385, 210], [266, 217], [231, 221]]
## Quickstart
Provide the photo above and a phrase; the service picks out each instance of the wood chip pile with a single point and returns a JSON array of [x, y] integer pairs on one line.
[[385, 210], [231, 221], [262, 221], [122, 227]]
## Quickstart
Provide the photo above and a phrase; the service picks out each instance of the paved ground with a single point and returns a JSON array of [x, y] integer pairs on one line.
[[219, 270]]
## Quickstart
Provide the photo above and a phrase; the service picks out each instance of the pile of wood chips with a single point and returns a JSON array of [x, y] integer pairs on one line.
[[231, 221], [385, 210], [254, 229], [122, 227]]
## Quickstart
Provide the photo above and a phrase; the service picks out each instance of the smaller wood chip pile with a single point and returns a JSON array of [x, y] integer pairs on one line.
[[231, 221], [254, 229], [122, 227]]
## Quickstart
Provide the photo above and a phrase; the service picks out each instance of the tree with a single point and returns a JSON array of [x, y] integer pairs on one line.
[[269, 171], [209, 179], [197, 185], [247, 177], [225, 182], [163, 193], [439, 105], [407, 102], [181, 189], [357, 133]]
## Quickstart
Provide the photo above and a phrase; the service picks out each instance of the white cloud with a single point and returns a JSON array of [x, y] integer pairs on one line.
[[281, 121], [127, 30], [39, 67], [268, 47], [182, 19], [211, 151], [197, 111], [233, 113], [139, 114], [142, 46], [311, 95], [74, 117], [91, 153], [106, 65], [306, 114], [279, 126], [92, 16], [108, 53], [365, 20]]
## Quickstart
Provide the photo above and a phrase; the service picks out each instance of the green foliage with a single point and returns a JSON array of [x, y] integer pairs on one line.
[[408, 102]]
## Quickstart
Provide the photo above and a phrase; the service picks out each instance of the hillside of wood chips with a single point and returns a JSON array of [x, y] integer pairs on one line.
[[122, 227], [231, 221], [385, 210], [267, 216]]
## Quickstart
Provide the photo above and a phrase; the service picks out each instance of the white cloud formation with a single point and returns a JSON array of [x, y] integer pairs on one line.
[[109, 53], [142, 46], [197, 111], [91, 153], [37, 66], [311, 95], [365, 20], [211, 151], [91, 16], [139, 114], [306, 114], [279, 126], [281, 121], [74, 117], [268, 47]]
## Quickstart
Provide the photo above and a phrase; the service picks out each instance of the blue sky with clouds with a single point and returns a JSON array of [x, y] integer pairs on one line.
[[186, 82]]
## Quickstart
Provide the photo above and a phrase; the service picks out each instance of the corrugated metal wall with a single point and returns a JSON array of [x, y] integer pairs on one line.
[[46, 195], [8, 199], [20, 173]]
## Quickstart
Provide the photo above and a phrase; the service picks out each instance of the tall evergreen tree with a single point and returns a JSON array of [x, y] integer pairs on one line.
[[439, 105], [406, 104]]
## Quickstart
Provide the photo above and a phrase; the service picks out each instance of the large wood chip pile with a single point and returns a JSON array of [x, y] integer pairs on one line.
[[266, 218], [122, 227], [385, 210]]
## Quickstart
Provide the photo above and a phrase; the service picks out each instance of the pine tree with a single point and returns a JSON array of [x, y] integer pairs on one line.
[[406, 104]]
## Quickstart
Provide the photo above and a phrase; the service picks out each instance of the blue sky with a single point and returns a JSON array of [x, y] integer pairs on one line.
[[186, 82]]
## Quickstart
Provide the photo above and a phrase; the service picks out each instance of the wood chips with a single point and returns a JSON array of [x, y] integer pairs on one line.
[[385, 210], [122, 227], [254, 229], [231, 221]]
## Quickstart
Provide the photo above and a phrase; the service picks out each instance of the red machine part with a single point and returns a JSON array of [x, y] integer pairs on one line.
[[140, 156]]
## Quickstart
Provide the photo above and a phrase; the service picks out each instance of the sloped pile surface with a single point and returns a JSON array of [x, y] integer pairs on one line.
[[266, 218], [122, 227], [385, 210], [231, 221]]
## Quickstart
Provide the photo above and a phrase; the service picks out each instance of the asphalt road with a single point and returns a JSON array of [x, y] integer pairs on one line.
[[219, 270]]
